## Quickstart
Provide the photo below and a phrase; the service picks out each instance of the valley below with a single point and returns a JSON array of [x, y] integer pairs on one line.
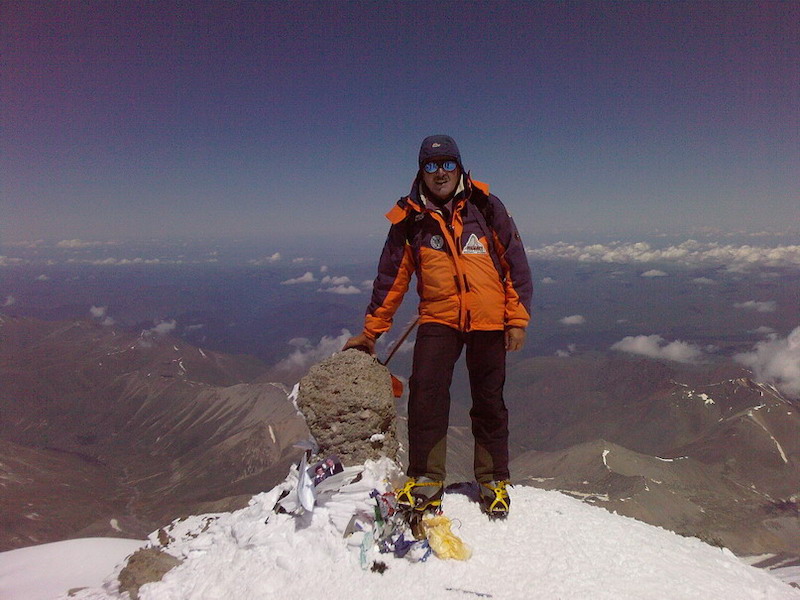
[[108, 433]]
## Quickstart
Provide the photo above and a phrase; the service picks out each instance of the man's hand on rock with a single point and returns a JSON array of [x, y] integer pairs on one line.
[[515, 338], [361, 342]]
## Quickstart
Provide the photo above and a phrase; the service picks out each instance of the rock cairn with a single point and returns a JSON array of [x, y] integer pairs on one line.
[[349, 407]]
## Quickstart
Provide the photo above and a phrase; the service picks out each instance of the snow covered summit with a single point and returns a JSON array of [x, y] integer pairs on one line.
[[551, 546]]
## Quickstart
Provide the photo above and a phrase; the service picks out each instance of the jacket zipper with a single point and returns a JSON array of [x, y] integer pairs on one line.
[[455, 251]]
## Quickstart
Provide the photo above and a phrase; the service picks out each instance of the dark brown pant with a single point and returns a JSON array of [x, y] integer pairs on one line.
[[435, 353]]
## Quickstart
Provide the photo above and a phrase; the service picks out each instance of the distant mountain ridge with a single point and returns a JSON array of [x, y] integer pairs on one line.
[[107, 432], [716, 460], [161, 428]]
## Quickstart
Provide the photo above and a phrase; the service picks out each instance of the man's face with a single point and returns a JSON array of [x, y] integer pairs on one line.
[[441, 184]]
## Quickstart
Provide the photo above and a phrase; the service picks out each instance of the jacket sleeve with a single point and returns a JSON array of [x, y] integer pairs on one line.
[[518, 281], [394, 273]]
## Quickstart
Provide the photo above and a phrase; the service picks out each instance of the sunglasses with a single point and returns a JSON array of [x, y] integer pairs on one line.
[[434, 165]]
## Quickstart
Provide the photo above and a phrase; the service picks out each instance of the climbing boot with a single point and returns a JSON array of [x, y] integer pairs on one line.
[[420, 494], [494, 499]]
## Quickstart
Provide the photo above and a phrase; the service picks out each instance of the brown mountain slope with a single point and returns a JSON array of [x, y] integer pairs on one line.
[[666, 444], [148, 418]]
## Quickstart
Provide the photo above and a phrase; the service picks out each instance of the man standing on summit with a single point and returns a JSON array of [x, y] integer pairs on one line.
[[474, 287]]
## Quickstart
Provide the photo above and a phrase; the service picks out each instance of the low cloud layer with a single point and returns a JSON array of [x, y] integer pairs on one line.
[[341, 289], [571, 349], [266, 260], [10, 300], [654, 273], [98, 312], [101, 314], [8, 261], [776, 361], [573, 320], [164, 327], [690, 252], [305, 354], [122, 262], [307, 277], [655, 346], [335, 280], [764, 307], [80, 244]]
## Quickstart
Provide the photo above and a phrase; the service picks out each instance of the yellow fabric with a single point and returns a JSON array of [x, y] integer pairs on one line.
[[444, 543]]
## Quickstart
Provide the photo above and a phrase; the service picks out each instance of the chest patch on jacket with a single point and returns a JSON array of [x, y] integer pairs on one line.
[[437, 242], [473, 246]]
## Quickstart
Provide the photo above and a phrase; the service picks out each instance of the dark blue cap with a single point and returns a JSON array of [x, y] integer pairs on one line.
[[435, 146]]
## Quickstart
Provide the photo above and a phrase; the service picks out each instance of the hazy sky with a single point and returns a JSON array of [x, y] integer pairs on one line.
[[275, 119]]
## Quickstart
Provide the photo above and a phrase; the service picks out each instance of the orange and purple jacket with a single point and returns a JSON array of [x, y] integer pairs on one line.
[[472, 271]]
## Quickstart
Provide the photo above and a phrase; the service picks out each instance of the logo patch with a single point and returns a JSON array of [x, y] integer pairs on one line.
[[437, 242], [435, 145], [473, 246]]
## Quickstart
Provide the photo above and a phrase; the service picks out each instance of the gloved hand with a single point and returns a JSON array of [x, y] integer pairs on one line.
[[361, 342], [515, 338]]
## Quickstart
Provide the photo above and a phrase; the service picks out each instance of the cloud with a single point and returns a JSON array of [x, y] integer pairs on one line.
[[341, 289], [306, 277], [764, 307], [655, 346], [323, 269], [763, 330], [690, 252], [98, 312], [306, 355], [406, 347], [265, 260], [776, 361], [163, 328], [654, 273], [336, 280], [10, 300], [703, 281], [114, 262], [571, 348], [26, 244], [548, 280], [77, 244], [42, 277], [573, 320], [7, 261]]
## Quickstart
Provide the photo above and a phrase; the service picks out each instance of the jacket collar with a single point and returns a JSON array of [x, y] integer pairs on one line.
[[415, 202]]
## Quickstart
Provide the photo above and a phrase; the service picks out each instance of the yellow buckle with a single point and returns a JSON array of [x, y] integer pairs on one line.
[[500, 496], [404, 495]]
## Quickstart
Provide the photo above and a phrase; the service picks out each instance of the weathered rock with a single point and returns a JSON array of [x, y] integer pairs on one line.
[[349, 407], [145, 566]]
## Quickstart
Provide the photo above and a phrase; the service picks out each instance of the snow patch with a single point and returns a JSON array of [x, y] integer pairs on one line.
[[551, 546]]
